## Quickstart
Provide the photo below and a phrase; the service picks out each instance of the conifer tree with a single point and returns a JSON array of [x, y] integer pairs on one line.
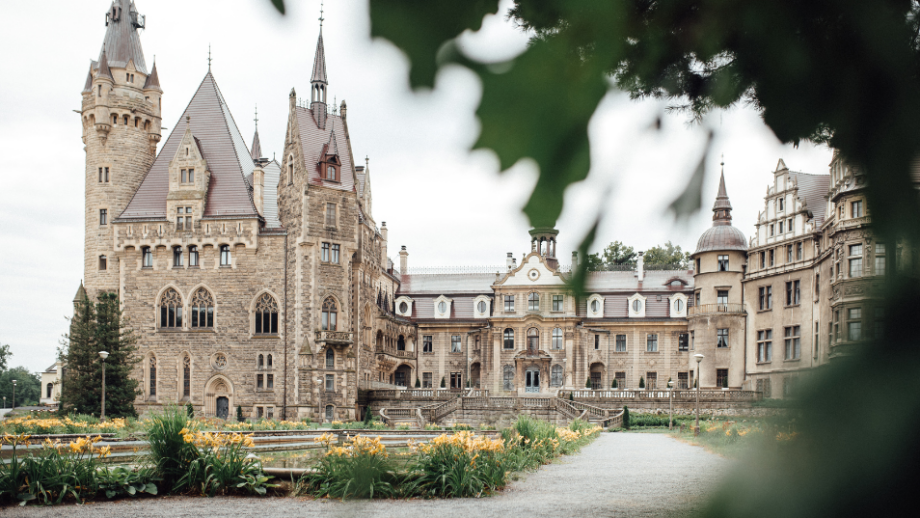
[[99, 327]]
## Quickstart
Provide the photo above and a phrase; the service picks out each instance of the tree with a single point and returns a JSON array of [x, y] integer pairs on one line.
[[443, 383], [239, 414], [96, 327], [28, 386], [667, 254], [418, 383], [5, 355], [190, 410], [641, 382], [615, 254], [626, 417]]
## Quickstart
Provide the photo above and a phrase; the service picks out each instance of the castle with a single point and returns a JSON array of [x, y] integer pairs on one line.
[[267, 285]]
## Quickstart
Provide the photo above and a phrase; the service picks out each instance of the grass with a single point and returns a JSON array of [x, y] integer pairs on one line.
[[735, 439]]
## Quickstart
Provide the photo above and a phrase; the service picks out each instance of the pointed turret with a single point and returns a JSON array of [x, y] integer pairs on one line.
[[256, 145], [318, 84], [332, 147], [153, 80], [722, 208], [104, 70], [122, 43], [81, 293]]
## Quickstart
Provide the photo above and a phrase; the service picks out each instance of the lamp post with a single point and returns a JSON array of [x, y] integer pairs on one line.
[[14, 395], [103, 355], [670, 406], [699, 358]]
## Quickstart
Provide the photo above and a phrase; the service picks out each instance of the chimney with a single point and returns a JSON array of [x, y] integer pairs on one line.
[[403, 261], [514, 263], [258, 189], [510, 260], [640, 267], [574, 260], [383, 248]]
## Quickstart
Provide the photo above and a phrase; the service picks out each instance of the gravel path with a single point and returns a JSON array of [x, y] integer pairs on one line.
[[620, 474]]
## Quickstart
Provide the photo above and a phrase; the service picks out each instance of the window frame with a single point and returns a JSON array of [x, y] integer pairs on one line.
[[533, 301], [792, 341], [226, 257], [651, 343], [508, 339], [558, 303], [722, 338], [103, 217], [456, 345], [427, 344], [764, 345], [557, 340], [722, 261]]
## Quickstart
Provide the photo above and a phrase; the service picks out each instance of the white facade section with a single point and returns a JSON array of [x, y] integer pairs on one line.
[[442, 307], [482, 306], [637, 306], [404, 311], [678, 303]]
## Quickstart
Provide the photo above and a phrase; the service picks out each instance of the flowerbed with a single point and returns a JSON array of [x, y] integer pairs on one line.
[[61, 425], [734, 438]]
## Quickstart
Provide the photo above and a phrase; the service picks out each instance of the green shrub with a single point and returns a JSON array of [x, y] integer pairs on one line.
[[418, 383], [169, 452], [222, 466], [641, 382], [190, 410], [588, 383], [626, 423], [443, 384], [459, 466], [239, 414], [614, 384], [359, 469]]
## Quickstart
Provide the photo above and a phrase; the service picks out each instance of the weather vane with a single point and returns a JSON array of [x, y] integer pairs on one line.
[[321, 14]]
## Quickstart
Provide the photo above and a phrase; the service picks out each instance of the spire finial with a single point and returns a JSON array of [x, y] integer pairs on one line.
[[723, 164], [257, 117], [321, 19], [209, 57]]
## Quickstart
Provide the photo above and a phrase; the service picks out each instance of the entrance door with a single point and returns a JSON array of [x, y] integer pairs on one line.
[[532, 381], [330, 413], [223, 407]]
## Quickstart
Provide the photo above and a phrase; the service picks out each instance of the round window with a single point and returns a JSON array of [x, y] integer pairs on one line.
[[442, 307], [637, 305], [595, 306], [403, 307], [482, 306]]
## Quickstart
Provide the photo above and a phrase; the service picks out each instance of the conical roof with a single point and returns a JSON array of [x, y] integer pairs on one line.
[[153, 80], [88, 87], [122, 43], [722, 235], [722, 203], [81, 293], [104, 70], [222, 146], [319, 62]]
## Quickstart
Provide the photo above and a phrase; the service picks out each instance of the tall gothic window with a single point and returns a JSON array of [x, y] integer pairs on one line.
[[202, 309], [153, 376], [261, 361], [330, 312], [186, 377], [170, 309], [266, 315]]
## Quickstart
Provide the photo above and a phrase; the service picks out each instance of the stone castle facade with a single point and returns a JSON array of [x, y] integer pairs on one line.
[[266, 284]]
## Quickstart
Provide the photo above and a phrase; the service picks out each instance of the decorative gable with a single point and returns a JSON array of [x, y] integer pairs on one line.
[[533, 271], [404, 306], [637, 306], [330, 166], [678, 303], [595, 306], [482, 306], [188, 180], [442, 307]]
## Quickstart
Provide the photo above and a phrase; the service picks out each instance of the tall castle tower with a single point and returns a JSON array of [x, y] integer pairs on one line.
[[121, 118]]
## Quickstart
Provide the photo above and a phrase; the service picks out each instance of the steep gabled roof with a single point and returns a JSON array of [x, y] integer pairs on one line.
[[812, 191], [88, 87], [221, 144], [122, 43], [315, 140]]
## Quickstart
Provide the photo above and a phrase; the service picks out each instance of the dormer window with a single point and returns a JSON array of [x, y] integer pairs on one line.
[[188, 176], [330, 173]]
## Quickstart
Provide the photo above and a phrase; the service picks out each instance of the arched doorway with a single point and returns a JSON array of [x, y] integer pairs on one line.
[[475, 373], [532, 379], [597, 375], [402, 376], [218, 397]]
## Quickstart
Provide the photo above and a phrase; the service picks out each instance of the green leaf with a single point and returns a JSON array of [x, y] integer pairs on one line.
[[151, 488], [421, 28], [540, 109], [279, 5], [131, 490], [110, 493], [691, 198]]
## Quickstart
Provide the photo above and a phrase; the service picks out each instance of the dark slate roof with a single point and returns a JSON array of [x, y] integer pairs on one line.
[[104, 67], [655, 280], [722, 237], [444, 284], [813, 189], [314, 140], [153, 80], [319, 62], [222, 145], [122, 43], [81, 293]]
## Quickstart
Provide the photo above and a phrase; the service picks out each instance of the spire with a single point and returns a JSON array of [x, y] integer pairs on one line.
[[319, 62], [153, 80], [319, 83], [256, 146], [104, 70], [722, 208], [122, 43], [332, 148]]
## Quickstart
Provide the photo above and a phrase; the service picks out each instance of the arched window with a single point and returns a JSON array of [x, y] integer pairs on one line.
[[595, 306], [330, 312], [261, 361], [509, 338], [555, 379], [125, 118], [400, 343], [678, 305], [508, 377], [557, 338], [114, 119], [186, 376], [177, 256], [266, 315], [637, 305], [533, 302], [192, 256], [533, 339], [202, 309], [153, 377], [268, 361], [170, 309], [48, 388], [330, 359], [330, 412]]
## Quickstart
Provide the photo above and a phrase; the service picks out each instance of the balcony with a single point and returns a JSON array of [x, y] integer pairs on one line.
[[394, 352], [715, 309], [335, 337]]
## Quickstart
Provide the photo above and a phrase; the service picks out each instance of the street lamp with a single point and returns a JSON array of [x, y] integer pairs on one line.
[[103, 355], [699, 358], [14, 395], [670, 406]]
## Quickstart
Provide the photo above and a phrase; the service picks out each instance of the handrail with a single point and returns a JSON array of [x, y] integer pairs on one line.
[[710, 309]]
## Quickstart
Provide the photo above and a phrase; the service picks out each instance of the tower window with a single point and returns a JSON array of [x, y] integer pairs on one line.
[[723, 263], [266, 315], [193, 255], [103, 217], [125, 118], [334, 257], [225, 255], [177, 257], [146, 257], [114, 120], [103, 263], [330, 314], [103, 175]]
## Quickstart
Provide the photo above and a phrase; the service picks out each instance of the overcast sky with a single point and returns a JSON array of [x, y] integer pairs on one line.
[[448, 206]]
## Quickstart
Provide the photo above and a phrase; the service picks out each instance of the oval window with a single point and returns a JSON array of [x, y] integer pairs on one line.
[[403, 307], [637, 305], [442, 307], [482, 306], [595, 306], [678, 305]]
